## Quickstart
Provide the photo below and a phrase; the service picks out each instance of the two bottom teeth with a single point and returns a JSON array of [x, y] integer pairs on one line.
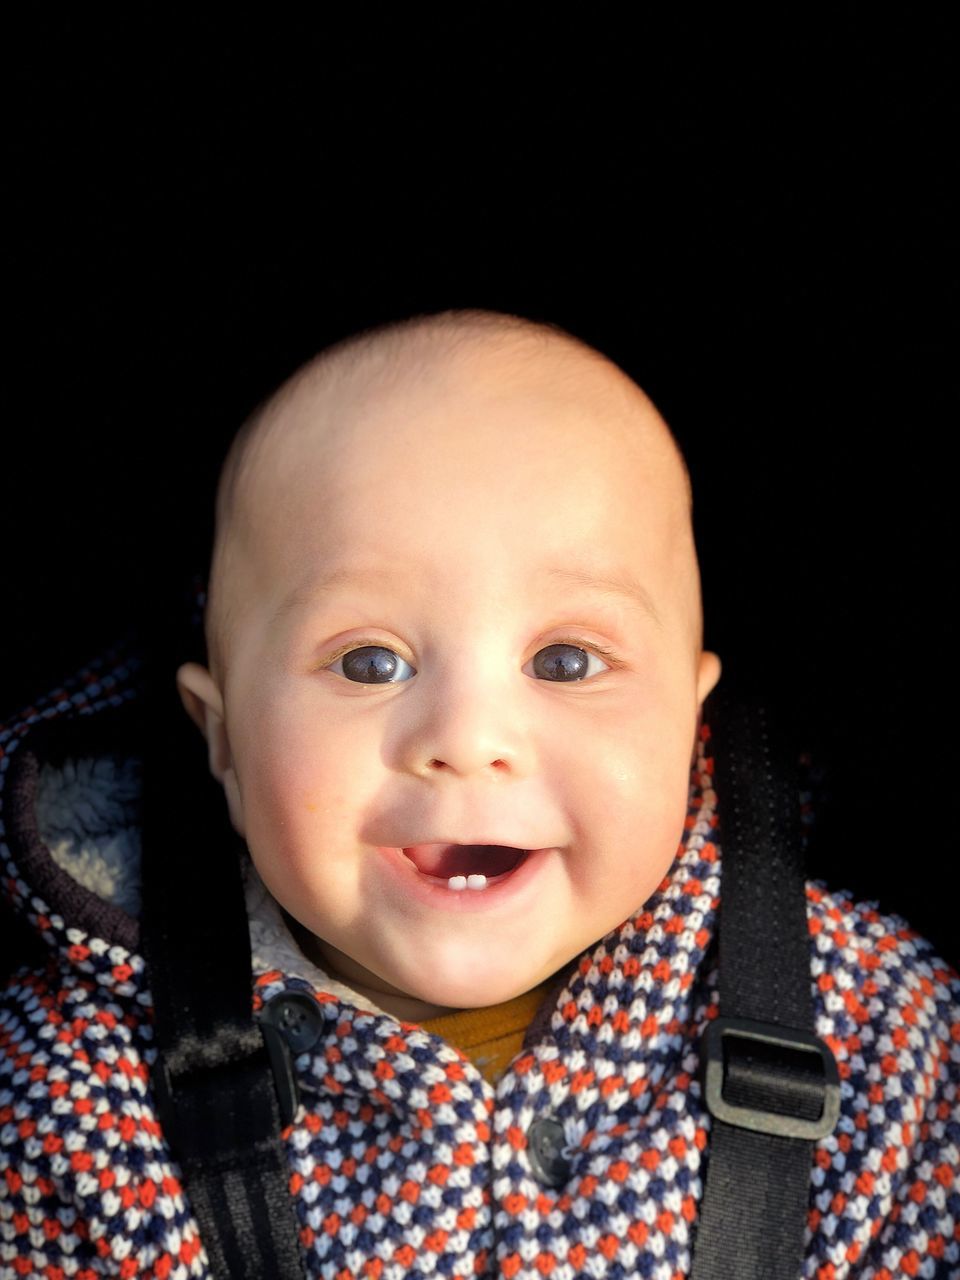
[[467, 882]]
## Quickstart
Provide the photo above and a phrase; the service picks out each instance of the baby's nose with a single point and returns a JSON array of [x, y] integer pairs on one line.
[[463, 731]]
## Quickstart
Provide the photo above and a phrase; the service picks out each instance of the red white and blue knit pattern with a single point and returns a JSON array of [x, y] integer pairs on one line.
[[404, 1161]]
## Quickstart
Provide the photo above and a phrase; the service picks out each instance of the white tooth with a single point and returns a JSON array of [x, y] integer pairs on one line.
[[457, 882], [476, 882]]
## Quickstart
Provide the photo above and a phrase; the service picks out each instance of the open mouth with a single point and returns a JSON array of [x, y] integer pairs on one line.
[[465, 866]]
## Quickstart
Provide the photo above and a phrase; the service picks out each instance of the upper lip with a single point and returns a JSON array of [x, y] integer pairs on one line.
[[506, 844]]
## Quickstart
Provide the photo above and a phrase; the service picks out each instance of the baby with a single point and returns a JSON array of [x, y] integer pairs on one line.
[[454, 700], [455, 656]]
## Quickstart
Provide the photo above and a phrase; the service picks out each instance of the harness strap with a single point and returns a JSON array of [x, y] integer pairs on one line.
[[771, 1086], [219, 1083]]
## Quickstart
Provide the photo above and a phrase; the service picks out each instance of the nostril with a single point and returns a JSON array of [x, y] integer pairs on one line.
[[434, 763]]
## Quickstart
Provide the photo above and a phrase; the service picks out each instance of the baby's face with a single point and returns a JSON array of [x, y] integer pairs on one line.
[[465, 645]]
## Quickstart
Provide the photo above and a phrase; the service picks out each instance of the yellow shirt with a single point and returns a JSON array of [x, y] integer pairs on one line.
[[491, 1037]]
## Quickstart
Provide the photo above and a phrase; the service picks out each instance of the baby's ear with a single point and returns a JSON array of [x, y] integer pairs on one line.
[[708, 675], [204, 706]]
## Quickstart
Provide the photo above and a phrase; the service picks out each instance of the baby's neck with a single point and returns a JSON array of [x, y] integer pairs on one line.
[[398, 1004]]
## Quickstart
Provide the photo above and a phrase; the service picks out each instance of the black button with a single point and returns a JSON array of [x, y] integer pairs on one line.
[[297, 1017], [545, 1144]]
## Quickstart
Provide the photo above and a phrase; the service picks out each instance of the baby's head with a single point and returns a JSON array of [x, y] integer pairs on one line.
[[454, 632]]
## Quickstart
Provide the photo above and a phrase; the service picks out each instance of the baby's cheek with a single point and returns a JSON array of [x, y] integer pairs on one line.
[[277, 788], [277, 831], [303, 792], [636, 813]]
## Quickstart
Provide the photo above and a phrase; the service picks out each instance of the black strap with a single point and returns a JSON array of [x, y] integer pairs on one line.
[[214, 1079], [771, 1086]]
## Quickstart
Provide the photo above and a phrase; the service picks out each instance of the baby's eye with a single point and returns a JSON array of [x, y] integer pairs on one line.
[[564, 662], [372, 664]]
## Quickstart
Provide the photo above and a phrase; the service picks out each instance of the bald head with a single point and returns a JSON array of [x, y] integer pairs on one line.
[[322, 408]]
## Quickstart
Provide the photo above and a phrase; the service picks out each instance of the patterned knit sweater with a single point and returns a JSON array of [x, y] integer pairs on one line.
[[403, 1160]]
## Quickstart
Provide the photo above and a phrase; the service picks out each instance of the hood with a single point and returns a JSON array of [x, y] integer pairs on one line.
[[69, 807]]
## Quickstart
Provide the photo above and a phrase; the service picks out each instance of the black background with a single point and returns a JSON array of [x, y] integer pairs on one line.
[[752, 219]]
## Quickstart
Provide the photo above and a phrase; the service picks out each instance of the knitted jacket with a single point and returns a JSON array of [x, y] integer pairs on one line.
[[403, 1160]]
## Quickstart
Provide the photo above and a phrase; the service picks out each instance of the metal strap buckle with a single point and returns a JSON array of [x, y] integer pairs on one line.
[[800, 1050]]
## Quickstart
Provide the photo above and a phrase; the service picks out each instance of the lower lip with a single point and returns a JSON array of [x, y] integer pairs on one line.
[[434, 892]]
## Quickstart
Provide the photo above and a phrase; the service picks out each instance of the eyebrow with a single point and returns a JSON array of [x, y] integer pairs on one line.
[[621, 588]]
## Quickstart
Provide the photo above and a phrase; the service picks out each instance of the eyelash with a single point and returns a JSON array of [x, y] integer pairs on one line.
[[606, 654]]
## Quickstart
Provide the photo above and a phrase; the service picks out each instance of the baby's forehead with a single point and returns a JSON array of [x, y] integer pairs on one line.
[[490, 399]]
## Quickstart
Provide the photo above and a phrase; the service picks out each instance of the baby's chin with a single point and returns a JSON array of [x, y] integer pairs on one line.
[[441, 980]]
